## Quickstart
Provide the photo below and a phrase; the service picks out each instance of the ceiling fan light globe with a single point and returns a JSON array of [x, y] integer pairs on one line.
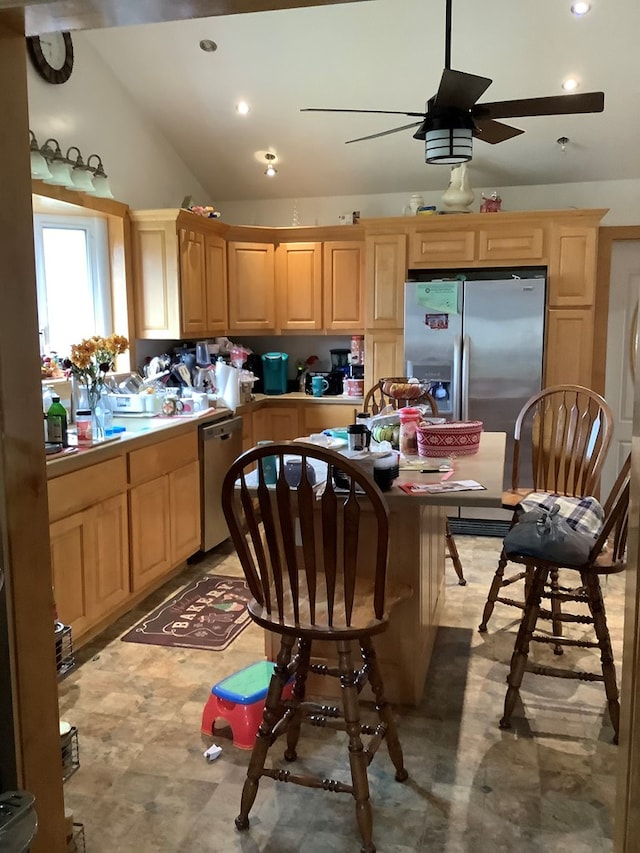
[[448, 146]]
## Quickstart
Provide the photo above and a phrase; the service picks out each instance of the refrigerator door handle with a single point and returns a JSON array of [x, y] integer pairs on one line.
[[466, 354], [456, 377]]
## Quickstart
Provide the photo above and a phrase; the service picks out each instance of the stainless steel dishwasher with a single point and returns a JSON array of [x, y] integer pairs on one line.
[[220, 445]]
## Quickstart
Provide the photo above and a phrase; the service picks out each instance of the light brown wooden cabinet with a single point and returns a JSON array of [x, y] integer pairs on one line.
[[315, 417], [277, 423], [343, 286], [563, 241], [251, 287], [164, 507], [89, 544], [180, 276], [299, 286]]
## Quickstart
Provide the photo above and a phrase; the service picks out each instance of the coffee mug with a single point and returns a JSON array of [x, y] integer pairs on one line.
[[318, 385]]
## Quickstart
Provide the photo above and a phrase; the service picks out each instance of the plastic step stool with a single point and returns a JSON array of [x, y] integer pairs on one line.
[[239, 699]]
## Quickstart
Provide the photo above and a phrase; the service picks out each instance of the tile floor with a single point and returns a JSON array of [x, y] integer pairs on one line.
[[548, 786]]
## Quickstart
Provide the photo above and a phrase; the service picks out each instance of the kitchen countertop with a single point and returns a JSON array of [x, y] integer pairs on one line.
[[140, 432]]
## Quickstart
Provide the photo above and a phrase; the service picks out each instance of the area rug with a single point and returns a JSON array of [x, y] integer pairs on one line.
[[207, 614]]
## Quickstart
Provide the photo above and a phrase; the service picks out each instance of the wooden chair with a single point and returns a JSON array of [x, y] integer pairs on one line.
[[316, 571], [374, 402], [566, 430], [607, 556]]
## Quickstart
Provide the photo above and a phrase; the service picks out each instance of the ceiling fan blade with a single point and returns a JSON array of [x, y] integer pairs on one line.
[[382, 112], [459, 90], [384, 132], [494, 131], [588, 102]]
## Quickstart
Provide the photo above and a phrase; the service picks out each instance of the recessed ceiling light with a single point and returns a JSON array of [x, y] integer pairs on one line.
[[208, 46], [242, 107], [580, 8], [570, 84]]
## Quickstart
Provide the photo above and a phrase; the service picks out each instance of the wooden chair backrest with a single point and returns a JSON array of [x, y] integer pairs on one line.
[[300, 553], [616, 522], [569, 429], [375, 399]]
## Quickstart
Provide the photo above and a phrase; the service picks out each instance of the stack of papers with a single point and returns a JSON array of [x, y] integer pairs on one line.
[[438, 488]]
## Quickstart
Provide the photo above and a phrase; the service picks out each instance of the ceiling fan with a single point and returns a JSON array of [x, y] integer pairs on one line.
[[453, 116]]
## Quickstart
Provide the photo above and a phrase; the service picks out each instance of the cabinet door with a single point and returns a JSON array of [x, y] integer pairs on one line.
[[299, 285], [343, 286], [193, 296], [110, 570], [386, 256], [73, 550], [184, 500], [384, 356], [251, 286], [155, 277], [277, 423], [319, 416], [217, 319], [149, 514], [569, 349], [433, 246], [572, 267]]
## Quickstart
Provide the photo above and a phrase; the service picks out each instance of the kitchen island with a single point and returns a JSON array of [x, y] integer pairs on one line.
[[417, 560]]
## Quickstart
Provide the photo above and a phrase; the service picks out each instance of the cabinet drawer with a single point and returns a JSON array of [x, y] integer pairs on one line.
[[435, 246], [82, 489], [160, 458], [510, 243]]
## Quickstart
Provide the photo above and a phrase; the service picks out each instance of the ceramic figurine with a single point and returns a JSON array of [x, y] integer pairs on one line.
[[491, 204], [458, 196]]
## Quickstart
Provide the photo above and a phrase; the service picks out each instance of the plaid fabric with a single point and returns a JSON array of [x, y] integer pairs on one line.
[[585, 515]]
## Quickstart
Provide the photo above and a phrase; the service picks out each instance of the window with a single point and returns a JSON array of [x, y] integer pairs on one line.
[[73, 282]]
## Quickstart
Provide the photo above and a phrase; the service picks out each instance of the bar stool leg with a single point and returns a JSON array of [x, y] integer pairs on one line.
[[263, 741], [556, 610], [357, 758], [496, 586], [299, 691], [523, 640], [452, 548], [596, 605]]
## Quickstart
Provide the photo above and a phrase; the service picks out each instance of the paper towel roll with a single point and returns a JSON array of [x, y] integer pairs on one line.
[[232, 389]]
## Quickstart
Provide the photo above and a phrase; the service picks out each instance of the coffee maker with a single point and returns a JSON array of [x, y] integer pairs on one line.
[[339, 369]]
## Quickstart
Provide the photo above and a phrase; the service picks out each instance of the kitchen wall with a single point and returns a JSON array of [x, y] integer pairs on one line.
[[92, 111]]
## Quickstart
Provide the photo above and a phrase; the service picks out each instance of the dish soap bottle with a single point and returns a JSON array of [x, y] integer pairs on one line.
[[57, 422]]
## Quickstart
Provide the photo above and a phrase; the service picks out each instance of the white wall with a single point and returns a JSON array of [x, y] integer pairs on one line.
[[93, 111], [622, 198]]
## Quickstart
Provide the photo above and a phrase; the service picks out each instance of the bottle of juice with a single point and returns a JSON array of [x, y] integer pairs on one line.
[[57, 422]]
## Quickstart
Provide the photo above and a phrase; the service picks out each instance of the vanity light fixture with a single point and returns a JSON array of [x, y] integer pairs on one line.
[[68, 170], [580, 8], [570, 84], [39, 168], [271, 170], [242, 108]]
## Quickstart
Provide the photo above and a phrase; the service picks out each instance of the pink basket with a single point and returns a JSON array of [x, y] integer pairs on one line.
[[457, 438]]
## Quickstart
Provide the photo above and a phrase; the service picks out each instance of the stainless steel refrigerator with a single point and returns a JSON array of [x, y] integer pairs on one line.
[[479, 342]]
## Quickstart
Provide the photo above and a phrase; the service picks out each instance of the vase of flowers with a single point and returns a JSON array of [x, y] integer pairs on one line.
[[88, 366]]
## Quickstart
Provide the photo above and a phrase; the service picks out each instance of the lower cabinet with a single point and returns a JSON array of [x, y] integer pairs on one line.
[[90, 563], [164, 509], [278, 423], [319, 416]]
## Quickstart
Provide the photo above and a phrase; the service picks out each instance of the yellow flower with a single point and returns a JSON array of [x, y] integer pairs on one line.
[[94, 357]]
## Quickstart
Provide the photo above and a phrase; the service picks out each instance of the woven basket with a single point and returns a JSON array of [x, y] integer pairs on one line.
[[457, 438]]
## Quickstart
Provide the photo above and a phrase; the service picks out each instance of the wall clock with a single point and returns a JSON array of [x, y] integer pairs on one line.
[[52, 56]]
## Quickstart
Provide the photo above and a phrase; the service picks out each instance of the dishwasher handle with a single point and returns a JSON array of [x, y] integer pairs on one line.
[[221, 430]]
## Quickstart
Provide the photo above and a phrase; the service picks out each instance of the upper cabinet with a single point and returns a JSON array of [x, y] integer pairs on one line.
[[299, 286], [180, 275], [343, 286], [251, 287]]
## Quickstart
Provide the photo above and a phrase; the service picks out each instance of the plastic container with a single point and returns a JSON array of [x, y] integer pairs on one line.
[[57, 422], [409, 420], [84, 429]]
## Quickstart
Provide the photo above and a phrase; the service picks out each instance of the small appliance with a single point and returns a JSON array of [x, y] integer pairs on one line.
[[275, 372], [340, 359]]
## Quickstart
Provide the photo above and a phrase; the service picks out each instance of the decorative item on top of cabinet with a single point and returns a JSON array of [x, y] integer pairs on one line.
[[252, 297], [299, 285], [343, 285]]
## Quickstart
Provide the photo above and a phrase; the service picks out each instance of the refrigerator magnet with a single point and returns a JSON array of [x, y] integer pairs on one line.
[[436, 321]]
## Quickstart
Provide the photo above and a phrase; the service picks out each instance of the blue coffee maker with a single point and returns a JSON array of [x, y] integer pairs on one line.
[[275, 372]]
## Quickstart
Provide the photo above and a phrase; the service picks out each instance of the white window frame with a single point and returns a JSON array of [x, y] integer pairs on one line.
[[98, 272]]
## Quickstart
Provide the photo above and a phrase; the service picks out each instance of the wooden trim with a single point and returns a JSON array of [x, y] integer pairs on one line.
[[107, 206]]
